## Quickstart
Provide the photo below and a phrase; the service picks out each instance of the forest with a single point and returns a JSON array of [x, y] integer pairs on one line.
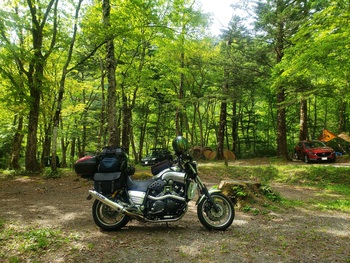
[[77, 75]]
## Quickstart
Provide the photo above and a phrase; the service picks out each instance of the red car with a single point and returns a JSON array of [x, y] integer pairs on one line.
[[315, 151]]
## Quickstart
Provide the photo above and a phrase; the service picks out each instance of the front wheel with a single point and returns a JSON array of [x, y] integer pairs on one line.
[[213, 219], [107, 218]]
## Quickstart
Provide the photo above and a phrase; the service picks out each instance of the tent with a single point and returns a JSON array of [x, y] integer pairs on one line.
[[327, 136], [344, 136]]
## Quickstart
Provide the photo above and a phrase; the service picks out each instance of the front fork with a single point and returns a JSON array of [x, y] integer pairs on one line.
[[206, 194]]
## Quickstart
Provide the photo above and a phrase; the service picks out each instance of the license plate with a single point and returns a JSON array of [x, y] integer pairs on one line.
[[324, 158], [147, 162]]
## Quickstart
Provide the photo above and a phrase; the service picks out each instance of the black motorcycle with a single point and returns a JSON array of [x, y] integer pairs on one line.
[[163, 198]]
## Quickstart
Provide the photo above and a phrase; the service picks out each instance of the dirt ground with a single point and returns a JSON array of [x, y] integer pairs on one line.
[[285, 235]]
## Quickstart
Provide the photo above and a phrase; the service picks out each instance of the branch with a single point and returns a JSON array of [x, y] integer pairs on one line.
[[87, 56]]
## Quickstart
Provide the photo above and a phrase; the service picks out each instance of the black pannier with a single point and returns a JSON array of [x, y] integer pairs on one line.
[[107, 183], [86, 166]]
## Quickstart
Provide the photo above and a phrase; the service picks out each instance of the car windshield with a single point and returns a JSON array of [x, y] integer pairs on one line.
[[314, 144]]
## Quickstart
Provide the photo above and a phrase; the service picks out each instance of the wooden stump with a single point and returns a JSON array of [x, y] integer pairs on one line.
[[240, 191]]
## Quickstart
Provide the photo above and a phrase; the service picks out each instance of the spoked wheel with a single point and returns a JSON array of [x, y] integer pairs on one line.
[[107, 218], [213, 219]]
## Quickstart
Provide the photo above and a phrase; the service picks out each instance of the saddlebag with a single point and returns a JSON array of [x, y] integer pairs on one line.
[[107, 183], [86, 166]]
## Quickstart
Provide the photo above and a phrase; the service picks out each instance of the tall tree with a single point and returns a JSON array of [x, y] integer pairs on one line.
[[113, 138], [42, 19], [57, 116], [318, 62], [281, 19], [185, 21]]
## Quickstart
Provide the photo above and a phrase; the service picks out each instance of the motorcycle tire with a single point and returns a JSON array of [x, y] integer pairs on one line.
[[216, 220], [107, 218]]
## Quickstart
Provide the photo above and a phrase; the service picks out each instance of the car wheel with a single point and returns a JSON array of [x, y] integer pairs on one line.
[[306, 158]]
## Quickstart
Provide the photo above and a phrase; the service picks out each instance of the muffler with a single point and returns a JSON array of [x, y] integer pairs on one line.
[[120, 208], [106, 201]]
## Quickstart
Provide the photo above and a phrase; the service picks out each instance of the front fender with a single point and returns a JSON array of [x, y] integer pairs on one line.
[[211, 191]]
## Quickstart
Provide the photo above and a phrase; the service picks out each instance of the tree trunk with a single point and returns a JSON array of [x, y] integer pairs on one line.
[[223, 113], [303, 132], [341, 124], [281, 126], [281, 110], [46, 145], [234, 126], [100, 139], [143, 129], [200, 126], [179, 110], [57, 115], [221, 131], [64, 146], [113, 139], [127, 117], [35, 76], [16, 144], [72, 151], [31, 162]]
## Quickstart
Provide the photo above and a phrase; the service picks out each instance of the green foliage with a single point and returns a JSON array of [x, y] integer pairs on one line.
[[239, 191], [49, 173], [270, 194]]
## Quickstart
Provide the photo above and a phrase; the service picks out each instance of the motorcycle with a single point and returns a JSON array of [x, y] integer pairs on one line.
[[163, 198]]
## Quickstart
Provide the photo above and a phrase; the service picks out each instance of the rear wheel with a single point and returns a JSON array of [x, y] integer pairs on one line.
[[213, 219], [107, 218]]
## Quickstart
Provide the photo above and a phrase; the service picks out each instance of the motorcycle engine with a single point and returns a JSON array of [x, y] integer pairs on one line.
[[166, 199]]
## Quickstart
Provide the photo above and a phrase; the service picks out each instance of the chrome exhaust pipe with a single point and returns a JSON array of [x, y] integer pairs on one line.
[[114, 205], [106, 201]]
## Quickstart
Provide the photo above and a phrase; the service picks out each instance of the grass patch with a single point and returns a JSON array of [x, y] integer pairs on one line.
[[333, 182], [342, 205], [22, 243]]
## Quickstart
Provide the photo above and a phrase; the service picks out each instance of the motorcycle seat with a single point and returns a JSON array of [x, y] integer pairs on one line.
[[141, 185]]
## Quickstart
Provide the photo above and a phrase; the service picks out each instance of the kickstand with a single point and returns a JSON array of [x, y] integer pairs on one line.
[[167, 224]]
